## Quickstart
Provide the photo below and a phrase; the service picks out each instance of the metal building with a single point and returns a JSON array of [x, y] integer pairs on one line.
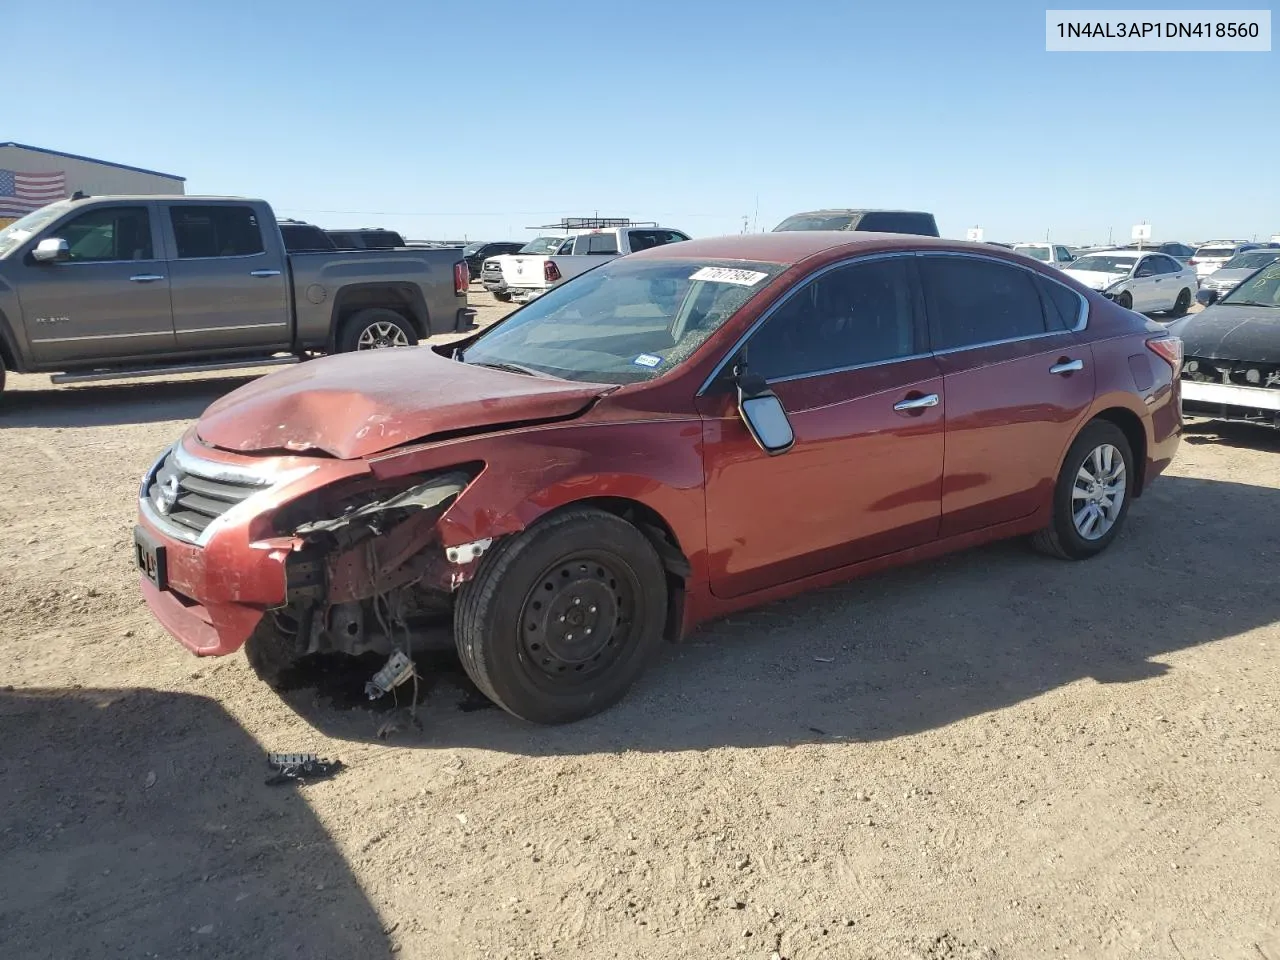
[[30, 177]]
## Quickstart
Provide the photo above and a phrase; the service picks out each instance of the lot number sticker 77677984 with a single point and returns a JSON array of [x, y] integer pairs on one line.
[[743, 278]]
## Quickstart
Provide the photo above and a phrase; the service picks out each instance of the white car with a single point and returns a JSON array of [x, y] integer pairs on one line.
[[1054, 254], [1213, 254], [1146, 282]]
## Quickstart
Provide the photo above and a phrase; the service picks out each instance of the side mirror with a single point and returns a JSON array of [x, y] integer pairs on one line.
[[51, 250], [763, 413], [1207, 298]]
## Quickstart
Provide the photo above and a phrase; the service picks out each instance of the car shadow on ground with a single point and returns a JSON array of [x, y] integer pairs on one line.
[[113, 404], [1232, 433], [136, 823], [910, 650]]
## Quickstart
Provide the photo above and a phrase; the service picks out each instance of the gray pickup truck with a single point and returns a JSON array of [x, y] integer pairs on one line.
[[113, 287]]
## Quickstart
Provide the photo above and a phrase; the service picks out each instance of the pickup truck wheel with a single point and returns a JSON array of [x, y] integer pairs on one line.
[[1092, 494], [560, 620], [376, 329]]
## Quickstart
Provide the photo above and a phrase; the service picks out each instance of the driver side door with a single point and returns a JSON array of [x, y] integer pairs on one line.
[[846, 354], [109, 299]]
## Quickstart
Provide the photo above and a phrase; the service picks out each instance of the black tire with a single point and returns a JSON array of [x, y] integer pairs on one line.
[[502, 296], [271, 652], [1125, 300], [1, 374], [594, 567], [1182, 305], [380, 324], [1061, 538]]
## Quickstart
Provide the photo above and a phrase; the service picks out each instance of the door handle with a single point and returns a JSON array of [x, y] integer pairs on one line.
[[1063, 367], [264, 273], [917, 403], [146, 277]]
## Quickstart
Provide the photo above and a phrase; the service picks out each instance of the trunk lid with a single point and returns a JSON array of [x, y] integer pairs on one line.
[[359, 404]]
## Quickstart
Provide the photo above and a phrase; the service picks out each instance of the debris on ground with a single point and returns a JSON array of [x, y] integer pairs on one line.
[[299, 768], [394, 672]]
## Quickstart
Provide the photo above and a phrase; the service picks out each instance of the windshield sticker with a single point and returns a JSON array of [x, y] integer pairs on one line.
[[743, 278], [648, 360]]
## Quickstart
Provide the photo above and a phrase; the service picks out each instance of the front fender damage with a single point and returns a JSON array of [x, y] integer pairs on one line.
[[378, 578]]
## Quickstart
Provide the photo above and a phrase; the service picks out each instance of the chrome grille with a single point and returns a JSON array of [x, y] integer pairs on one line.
[[191, 501]]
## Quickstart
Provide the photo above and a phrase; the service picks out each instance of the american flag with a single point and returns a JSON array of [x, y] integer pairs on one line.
[[20, 193]]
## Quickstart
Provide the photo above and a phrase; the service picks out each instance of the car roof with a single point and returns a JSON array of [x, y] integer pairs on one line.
[[793, 246], [830, 210]]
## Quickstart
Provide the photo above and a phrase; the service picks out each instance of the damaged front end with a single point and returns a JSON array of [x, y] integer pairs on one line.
[[373, 576]]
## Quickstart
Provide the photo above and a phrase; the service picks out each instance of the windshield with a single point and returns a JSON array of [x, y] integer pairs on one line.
[[1260, 290], [1102, 264], [542, 245], [472, 248], [809, 221], [1215, 253], [623, 322], [1040, 253], [1251, 260], [20, 231]]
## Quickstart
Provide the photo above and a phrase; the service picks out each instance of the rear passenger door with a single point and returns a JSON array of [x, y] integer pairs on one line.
[[1018, 381], [229, 287]]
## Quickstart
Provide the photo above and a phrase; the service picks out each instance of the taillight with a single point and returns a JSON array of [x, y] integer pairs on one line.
[[550, 272], [1193, 261], [1168, 349], [461, 279]]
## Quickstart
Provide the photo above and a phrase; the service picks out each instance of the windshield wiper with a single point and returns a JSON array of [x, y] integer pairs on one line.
[[512, 368]]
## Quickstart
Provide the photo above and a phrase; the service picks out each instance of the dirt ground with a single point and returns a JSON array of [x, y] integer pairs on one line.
[[997, 755]]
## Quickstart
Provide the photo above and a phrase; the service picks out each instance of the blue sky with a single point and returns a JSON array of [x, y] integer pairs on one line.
[[443, 121]]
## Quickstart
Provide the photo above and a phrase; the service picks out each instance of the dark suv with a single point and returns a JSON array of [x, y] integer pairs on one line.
[[476, 253], [874, 221], [366, 238], [300, 237]]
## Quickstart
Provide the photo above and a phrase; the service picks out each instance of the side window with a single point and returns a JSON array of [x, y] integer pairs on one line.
[[1061, 306], [974, 301], [1064, 254], [222, 231], [644, 239], [601, 244], [1169, 265], [675, 236], [566, 248], [1147, 268], [108, 233], [853, 315]]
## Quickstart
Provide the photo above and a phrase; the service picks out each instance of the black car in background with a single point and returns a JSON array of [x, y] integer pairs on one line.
[[1179, 251], [878, 221], [476, 253], [1231, 351], [300, 237], [366, 238]]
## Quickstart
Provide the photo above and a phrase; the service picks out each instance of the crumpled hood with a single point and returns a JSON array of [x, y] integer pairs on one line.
[[359, 404], [1224, 332]]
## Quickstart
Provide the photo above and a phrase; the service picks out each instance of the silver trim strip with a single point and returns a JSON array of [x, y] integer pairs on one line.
[[105, 336], [856, 366], [98, 263], [241, 326], [146, 277], [264, 273], [233, 256]]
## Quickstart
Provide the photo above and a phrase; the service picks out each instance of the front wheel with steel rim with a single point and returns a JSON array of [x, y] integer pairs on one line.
[[1092, 493], [560, 620], [376, 328]]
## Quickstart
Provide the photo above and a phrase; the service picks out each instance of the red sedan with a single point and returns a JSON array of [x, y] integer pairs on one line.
[[670, 437]]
